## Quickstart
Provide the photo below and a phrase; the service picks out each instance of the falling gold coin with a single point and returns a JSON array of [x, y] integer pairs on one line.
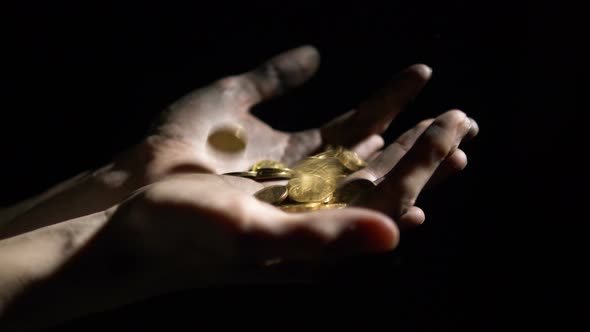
[[267, 164], [333, 206], [307, 188], [350, 160], [272, 194], [228, 139], [267, 174], [247, 174]]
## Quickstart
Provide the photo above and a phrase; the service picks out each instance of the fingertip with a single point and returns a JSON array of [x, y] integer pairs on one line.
[[355, 230], [373, 231], [473, 129], [368, 146], [422, 70], [457, 115], [280, 73], [308, 55], [455, 163], [456, 118], [458, 160], [299, 64], [413, 217], [309, 51]]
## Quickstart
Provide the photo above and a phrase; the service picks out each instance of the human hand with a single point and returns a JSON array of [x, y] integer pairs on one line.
[[210, 225], [178, 143], [202, 227]]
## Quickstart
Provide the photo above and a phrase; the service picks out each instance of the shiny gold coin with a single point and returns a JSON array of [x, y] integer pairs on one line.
[[333, 206], [267, 170], [272, 194], [350, 160], [228, 139], [307, 188], [324, 155], [353, 192], [329, 152], [247, 174], [267, 164], [327, 168], [328, 199], [295, 208], [267, 174]]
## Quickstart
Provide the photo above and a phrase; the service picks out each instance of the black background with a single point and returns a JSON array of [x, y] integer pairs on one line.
[[82, 81]]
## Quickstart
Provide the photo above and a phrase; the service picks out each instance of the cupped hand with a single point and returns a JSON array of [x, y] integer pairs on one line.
[[211, 226], [179, 144], [203, 229], [425, 154]]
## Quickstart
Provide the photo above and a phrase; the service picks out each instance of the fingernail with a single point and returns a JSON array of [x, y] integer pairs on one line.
[[466, 125], [423, 70]]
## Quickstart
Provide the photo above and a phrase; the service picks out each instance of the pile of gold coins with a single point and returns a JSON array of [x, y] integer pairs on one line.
[[314, 183]]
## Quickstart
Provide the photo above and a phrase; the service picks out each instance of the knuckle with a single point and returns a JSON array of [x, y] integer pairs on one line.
[[237, 87], [230, 82], [434, 140]]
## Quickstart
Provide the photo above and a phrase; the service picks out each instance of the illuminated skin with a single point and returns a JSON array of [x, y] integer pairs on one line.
[[164, 208]]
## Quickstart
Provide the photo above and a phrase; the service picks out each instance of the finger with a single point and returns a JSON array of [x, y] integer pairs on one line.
[[455, 163], [324, 233], [374, 156], [374, 115], [473, 131], [368, 146], [383, 162], [413, 217], [403, 183], [274, 77]]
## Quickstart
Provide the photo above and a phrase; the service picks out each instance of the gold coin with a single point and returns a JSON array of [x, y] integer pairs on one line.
[[333, 206], [267, 164], [228, 139], [272, 194], [307, 188], [294, 208], [354, 191], [350, 160], [329, 152], [247, 174], [266, 174], [328, 199], [269, 170], [326, 168]]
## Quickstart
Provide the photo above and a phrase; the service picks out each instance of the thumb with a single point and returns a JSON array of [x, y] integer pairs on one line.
[[328, 233], [282, 72]]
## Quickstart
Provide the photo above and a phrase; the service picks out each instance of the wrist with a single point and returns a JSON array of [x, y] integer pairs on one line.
[[82, 195], [89, 264]]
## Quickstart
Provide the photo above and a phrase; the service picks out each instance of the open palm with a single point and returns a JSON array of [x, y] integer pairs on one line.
[[179, 142]]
